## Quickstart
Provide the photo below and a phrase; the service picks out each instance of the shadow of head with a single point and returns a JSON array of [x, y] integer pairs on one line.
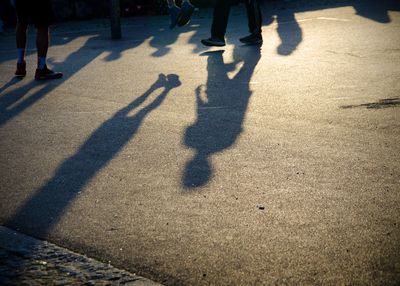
[[197, 172], [169, 81]]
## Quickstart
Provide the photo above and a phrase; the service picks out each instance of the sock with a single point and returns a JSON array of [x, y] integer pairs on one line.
[[41, 63], [21, 55]]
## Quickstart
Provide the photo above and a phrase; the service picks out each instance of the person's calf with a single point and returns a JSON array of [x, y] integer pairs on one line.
[[20, 35], [42, 44], [42, 41], [21, 47]]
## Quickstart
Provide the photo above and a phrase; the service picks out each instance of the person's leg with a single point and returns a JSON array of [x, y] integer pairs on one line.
[[219, 24], [254, 17], [187, 10], [42, 16], [220, 18], [42, 45], [20, 36], [174, 12]]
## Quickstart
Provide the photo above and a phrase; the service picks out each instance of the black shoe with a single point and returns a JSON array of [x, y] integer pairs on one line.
[[252, 39], [45, 74], [213, 41], [21, 69], [186, 12]]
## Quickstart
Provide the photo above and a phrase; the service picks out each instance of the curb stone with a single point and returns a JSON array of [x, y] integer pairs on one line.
[[25, 260]]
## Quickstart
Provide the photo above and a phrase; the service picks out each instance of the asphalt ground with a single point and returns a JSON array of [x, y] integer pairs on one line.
[[197, 166]]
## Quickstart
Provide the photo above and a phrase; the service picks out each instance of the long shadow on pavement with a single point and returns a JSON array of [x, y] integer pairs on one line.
[[14, 102], [221, 109], [40, 213], [377, 11], [290, 32]]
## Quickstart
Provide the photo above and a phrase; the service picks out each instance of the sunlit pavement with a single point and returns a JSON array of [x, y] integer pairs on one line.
[[196, 166]]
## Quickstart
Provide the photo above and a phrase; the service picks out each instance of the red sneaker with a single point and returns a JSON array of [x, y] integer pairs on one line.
[[44, 74], [21, 69]]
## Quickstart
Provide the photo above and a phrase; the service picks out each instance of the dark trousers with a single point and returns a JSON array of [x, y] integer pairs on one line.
[[221, 16]]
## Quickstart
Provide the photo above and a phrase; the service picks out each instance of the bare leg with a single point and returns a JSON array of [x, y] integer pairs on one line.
[[21, 46], [42, 41], [42, 45], [21, 36]]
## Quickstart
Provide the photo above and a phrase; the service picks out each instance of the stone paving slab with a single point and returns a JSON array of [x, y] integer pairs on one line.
[[25, 260]]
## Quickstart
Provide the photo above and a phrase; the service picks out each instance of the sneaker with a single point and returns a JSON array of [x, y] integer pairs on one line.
[[43, 74], [213, 41], [174, 13], [186, 12], [21, 69], [252, 39]]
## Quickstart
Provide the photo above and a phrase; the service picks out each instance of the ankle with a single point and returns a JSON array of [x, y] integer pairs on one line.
[[21, 55], [41, 63]]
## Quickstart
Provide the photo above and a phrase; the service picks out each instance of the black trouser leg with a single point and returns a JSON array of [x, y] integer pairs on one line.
[[254, 16], [220, 18]]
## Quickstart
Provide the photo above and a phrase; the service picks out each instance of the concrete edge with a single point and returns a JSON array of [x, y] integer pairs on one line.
[[24, 254]]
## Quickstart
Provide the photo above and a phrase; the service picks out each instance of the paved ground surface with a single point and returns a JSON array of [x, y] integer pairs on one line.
[[195, 166], [28, 261]]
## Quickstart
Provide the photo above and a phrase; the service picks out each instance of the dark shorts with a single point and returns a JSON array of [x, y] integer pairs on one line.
[[38, 12]]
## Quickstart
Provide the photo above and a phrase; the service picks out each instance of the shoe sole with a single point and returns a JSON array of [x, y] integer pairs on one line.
[[208, 44], [49, 78]]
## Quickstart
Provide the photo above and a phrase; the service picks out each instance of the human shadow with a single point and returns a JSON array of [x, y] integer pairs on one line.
[[45, 208], [289, 32], [10, 83], [221, 108], [377, 11], [288, 29], [17, 100], [163, 41]]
